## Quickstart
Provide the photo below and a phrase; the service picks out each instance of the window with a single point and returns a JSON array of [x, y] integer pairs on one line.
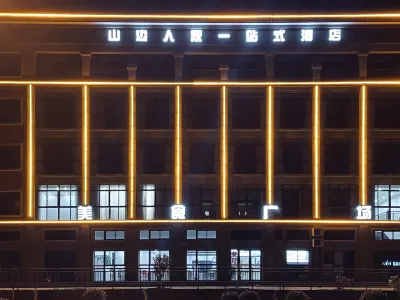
[[201, 265], [248, 200], [156, 157], [247, 157], [298, 257], [110, 157], [108, 235], [246, 110], [110, 202], [10, 157], [200, 109], [60, 235], [387, 202], [154, 202], [337, 157], [58, 202], [9, 259], [154, 110], [109, 265], [298, 235], [385, 158], [294, 109], [245, 264], [294, 156], [340, 108], [154, 234], [338, 200], [387, 235], [146, 264], [10, 235], [10, 111], [109, 110], [294, 201], [202, 157], [201, 234], [10, 203], [201, 201], [339, 235], [49, 152]]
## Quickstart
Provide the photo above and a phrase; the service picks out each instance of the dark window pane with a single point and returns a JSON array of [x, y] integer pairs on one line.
[[10, 111], [295, 157], [10, 235], [339, 235], [337, 157], [298, 235], [156, 158], [155, 111], [340, 108], [9, 259], [59, 157], [10, 203], [294, 109], [246, 111], [109, 110], [245, 159], [200, 110], [10, 157], [246, 235], [110, 158], [60, 235], [202, 158], [59, 259]]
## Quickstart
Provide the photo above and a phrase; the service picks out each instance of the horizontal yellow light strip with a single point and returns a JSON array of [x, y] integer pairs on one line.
[[231, 17], [149, 222], [201, 83]]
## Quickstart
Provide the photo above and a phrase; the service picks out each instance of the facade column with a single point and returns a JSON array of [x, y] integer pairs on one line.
[[28, 63], [86, 58], [363, 65], [270, 66], [316, 70], [178, 66]]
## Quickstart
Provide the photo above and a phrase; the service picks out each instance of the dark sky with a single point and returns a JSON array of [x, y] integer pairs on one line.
[[148, 6]]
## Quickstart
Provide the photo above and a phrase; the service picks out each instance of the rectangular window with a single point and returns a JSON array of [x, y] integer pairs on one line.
[[154, 234], [294, 108], [146, 264], [10, 111], [201, 201], [10, 235], [109, 110], [298, 257], [110, 157], [200, 109], [298, 235], [60, 259], [108, 235], [295, 201], [109, 265], [60, 235], [294, 156], [201, 265], [202, 157], [339, 108], [246, 110], [337, 157], [387, 235], [338, 200], [10, 203], [10, 259], [245, 264], [155, 110], [110, 201], [154, 202], [49, 153], [156, 156], [201, 234], [387, 202], [247, 157], [339, 235], [58, 202], [10, 157], [248, 201]]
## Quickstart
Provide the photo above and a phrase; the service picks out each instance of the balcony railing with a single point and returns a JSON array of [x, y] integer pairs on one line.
[[118, 276]]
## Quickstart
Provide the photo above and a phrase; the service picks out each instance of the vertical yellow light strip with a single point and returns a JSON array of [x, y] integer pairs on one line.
[[224, 153], [316, 153], [132, 153], [30, 152], [269, 132], [363, 146], [178, 145], [85, 144]]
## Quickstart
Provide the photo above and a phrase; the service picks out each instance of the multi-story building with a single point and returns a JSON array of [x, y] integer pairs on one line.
[[226, 141]]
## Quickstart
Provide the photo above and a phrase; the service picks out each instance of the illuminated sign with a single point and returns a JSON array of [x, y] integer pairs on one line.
[[389, 263], [364, 212], [266, 210], [178, 212], [85, 213], [248, 36]]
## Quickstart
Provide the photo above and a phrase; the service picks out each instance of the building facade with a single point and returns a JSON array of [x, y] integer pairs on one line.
[[231, 142]]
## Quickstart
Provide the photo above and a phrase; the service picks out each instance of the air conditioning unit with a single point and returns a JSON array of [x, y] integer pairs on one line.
[[318, 243], [318, 232]]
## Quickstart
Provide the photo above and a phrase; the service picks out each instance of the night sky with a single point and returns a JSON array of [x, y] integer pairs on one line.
[[148, 6]]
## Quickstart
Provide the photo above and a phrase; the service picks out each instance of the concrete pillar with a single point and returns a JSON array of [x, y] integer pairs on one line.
[[132, 69], [316, 69], [86, 57], [363, 65], [270, 65], [28, 63], [224, 69], [178, 66]]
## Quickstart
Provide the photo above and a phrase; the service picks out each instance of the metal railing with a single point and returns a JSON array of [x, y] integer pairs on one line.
[[110, 276]]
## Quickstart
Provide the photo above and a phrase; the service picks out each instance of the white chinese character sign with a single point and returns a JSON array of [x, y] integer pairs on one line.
[[141, 35], [251, 36], [196, 36], [85, 213], [178, 212], [114, 35], [169, 37], [266, 210], [364, 212]]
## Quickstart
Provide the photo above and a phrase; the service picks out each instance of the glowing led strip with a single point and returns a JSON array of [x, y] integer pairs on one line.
[[132, 152], [316, 154], [234, 17], [363, 146], [270, 145], [30, 150], [85, 145], [224, 153], [178, 146]]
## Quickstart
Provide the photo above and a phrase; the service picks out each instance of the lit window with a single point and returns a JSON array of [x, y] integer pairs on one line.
[[146, 264], [58, 202], [386, 204], [109, 265], [100, 235], [110, 202], [387, 235], [201, 265], [245, 264], [201, 234], [154, 234], [298, 257], [148, 201]]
